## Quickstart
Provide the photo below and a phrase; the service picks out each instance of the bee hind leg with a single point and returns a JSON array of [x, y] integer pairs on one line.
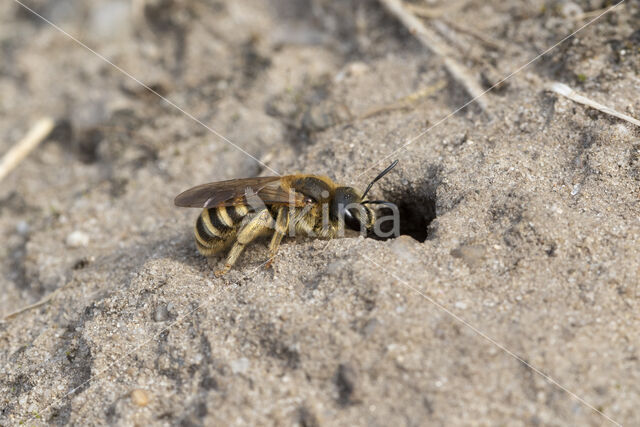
[[260, 224]]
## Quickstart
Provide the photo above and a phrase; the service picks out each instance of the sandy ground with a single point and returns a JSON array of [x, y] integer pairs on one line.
[[520, 222]]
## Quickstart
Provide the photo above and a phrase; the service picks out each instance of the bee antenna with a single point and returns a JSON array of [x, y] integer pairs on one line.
[[380, 175]]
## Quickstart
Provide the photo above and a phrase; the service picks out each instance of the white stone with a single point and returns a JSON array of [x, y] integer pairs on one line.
[[22, 228], [461, 305], [240, 366], [77, 239]]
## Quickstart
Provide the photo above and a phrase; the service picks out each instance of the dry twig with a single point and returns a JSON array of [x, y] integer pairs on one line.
[[567, 92], [37, 304], [486, 40], [432, 12], [18, 152], [433, 42], [594, 13], [406, 101], [437, 14]]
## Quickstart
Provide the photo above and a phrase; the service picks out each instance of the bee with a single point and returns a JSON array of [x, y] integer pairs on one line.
[[237, 211]]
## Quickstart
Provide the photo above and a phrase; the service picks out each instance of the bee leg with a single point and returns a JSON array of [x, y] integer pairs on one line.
[[282, 225], [259, 225], [304, 224]]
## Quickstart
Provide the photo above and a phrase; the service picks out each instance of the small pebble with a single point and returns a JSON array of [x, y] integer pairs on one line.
[[370, 327], [472, 255], [77, 239], [576, 189], [403, 248], [570, 10], [461, 305], [240, 366], [356, 69], [140, 397], [22, 228], [110, 19], [161, 314]]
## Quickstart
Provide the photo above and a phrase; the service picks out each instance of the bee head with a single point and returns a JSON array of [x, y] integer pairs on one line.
[[349, 203]]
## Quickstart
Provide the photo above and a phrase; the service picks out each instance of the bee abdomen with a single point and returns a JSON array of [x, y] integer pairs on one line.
[[237, 213], [224, 218], [206, 235], [215, 226]]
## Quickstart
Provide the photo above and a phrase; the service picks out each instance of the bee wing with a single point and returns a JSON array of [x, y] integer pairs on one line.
[[236, 191]]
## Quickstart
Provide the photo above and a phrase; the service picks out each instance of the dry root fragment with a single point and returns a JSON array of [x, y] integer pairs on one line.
[[434, 43], [566, 91], [26, 145], [405, 102]]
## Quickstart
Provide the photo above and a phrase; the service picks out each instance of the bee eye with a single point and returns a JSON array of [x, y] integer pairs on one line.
[[351, 219]]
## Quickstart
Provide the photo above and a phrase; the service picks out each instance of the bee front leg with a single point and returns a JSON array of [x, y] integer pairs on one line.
[[260, 224], [282, 225]]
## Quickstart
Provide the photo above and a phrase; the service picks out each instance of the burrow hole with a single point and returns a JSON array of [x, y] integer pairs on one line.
[[417, 210]]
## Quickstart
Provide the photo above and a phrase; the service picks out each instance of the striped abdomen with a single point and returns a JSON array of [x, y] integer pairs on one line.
[[216, 228]]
